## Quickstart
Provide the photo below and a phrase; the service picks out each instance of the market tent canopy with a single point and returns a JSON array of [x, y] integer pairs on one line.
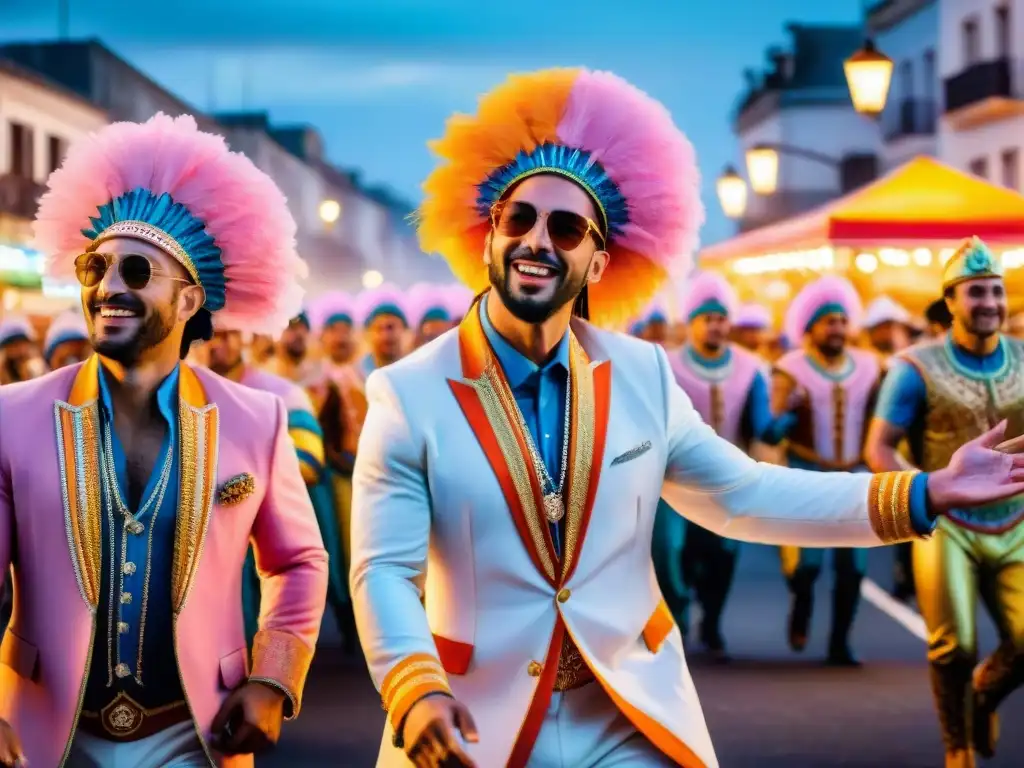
[[921, 202]]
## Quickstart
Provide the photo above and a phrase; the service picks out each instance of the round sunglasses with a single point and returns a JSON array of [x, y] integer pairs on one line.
[[565, 228], [135, 269]]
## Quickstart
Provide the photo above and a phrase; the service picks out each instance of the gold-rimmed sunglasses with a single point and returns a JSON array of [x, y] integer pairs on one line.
[[565, 229], [135, 269]]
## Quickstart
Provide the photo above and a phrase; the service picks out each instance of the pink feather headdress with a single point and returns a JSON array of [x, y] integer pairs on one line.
[[329, 308], [16, 326], [459, 300], [707, 292], [67, 326], [169, 184], [386, 299], [426, 301], [826, 294], [616, 142], [752, 316]]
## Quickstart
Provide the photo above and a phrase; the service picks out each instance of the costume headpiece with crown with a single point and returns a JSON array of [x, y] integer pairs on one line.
[[827, 295], [617, 143], [707, 292], [971, 261], [386, 299], [168, 184], [67, 326]]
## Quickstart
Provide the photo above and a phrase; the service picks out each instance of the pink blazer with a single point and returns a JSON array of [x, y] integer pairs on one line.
[[50, 531]]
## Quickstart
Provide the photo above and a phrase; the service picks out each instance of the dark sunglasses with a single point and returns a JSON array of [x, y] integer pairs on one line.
[[135, 269], [565, 228]]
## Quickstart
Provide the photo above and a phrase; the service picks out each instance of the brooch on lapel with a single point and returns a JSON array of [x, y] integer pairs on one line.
[[236, 489]]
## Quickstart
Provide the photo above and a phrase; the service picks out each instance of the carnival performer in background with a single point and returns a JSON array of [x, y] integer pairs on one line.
[[750, 327], [829, 388], [125, 647], [941, 395], [570, 192], [67, 340], [382, 315], [887, 326], [428, 313], [296, 360], [938, 319], [728, 386], [334, 324], [227, 359], [20, 358]]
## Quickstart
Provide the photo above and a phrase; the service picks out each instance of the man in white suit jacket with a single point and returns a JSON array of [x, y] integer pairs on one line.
[[508, 472]]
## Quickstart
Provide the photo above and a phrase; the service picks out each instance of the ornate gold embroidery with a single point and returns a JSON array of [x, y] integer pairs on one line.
[[199, 439], [889, 506], [573, 671], [283, 659], [236, 490], [78, 453], [497, 402], [584, 416]]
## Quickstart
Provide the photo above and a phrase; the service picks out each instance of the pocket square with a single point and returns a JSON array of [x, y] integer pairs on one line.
[[236, 489], [633, 453]]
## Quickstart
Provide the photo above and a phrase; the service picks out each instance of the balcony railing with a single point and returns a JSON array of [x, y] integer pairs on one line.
[[910, 117], [978, 82], [19, 196]]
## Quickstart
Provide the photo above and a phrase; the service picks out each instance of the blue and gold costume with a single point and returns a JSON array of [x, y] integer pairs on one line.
[[940, 396]]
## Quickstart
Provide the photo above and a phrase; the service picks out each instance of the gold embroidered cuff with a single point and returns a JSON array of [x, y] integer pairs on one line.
[[282, 660], [409, 681], [889, 506]]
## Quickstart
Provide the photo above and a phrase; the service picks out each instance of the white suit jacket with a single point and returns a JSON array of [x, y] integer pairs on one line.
[[442, 501]]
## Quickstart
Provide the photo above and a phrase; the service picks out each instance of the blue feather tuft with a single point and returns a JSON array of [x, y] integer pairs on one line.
[[575, 164], [175, 220]]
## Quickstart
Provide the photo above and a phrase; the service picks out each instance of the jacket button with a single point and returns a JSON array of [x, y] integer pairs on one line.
[[563, 595], [534, 669]]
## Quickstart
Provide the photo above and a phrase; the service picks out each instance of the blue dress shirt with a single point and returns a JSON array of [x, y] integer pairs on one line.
[[141, 576], [540, 394]]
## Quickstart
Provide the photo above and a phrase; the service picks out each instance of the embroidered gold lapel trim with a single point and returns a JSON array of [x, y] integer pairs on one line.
[[77, 433], [490, 407], [199, 429]]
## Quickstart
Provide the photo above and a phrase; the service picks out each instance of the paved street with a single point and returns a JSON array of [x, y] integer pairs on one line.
[[769, 709]]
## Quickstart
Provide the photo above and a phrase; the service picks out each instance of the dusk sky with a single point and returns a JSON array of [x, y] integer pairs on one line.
[[379, 77]]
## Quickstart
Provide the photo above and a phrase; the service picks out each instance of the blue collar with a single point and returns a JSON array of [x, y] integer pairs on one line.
[[516, 366], [710, 362], [166, 396]]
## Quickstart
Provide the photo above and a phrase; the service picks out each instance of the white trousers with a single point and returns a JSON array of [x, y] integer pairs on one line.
[[174, 747], [584, 729]]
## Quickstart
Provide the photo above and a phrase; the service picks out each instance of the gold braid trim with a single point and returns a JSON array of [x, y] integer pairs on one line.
[[409, 681], [282, 660], [889, 506]]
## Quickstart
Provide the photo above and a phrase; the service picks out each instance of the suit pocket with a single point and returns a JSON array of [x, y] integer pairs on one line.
[[658, 627], [20, 655], [234, 668]]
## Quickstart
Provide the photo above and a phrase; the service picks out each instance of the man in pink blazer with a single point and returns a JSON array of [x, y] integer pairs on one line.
[[131, 484]]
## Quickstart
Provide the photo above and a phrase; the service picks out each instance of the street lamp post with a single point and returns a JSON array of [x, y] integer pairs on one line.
[[763, 164], [868, 75], [732, 193]]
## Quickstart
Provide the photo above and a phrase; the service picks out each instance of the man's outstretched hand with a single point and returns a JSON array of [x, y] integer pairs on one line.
[[431, 733], [987, 469]]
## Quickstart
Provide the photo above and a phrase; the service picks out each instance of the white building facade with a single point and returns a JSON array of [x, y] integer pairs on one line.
[[981, 64], [907, 31], [38, 121], [801, 105]]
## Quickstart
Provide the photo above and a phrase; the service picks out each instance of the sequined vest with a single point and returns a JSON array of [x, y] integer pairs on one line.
[[719, 393], [830, 427], [961, 405]]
